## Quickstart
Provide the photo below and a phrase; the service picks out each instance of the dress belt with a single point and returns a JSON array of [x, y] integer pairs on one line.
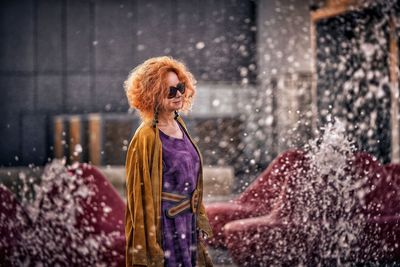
[[183, 202]]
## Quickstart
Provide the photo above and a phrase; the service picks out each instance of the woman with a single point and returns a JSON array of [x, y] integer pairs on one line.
[[165, 216]]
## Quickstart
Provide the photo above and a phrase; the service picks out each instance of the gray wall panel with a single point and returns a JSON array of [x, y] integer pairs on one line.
[[242, 40], [49, 86], [283, 37], [50, 31], [226, 51], [17, 93], [114, 35], [154, 32], [211, 17], [185, 21], [34, 144], [110, 95], [77, 93], [79, 30], [10, 139], [16, 34]]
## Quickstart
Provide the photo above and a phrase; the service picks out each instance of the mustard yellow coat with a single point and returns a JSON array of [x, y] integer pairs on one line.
[[143, 192]]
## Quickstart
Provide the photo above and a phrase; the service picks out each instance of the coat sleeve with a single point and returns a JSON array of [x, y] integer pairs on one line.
[[141, 244]]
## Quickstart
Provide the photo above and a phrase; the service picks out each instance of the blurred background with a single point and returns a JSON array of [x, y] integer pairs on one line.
[[270, 75]]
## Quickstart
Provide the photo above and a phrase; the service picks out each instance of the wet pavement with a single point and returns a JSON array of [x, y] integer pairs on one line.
[[221, 258]]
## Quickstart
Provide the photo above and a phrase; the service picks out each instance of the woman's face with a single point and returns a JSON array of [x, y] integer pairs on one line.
[[175, 103]]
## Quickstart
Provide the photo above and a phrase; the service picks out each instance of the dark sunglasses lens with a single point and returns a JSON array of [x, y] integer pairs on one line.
[[181, 87], [173, 90]]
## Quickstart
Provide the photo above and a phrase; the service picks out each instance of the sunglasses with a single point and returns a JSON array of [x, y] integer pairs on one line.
[[174, 89]]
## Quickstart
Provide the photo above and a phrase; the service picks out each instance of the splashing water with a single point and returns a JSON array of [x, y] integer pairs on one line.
[[322, 207], [54, 229], [332, 218]]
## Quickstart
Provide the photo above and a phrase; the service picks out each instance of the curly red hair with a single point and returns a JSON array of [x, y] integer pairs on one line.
[[146, 85]]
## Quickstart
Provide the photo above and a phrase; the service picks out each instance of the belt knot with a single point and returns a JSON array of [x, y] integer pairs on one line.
[[183, 202]]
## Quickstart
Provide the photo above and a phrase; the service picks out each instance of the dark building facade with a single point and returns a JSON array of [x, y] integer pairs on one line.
[[72, 56]]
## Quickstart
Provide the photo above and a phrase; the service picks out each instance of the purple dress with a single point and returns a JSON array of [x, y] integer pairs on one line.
[[181, 165]]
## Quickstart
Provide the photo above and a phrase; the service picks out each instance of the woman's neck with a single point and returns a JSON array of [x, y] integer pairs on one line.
[[166, 118]]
